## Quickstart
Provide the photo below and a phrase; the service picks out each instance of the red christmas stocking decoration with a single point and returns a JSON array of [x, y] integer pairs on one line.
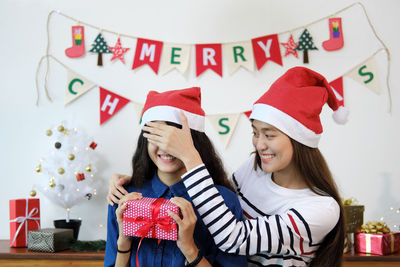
[[336, 35], [78, 42]]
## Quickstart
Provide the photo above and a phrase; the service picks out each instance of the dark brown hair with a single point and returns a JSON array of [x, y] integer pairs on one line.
[[144, 168], [313, 167]]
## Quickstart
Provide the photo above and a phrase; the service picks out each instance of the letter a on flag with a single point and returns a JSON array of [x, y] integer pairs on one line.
[[208, 56], [110, 103], [266, 48], [147, 52]]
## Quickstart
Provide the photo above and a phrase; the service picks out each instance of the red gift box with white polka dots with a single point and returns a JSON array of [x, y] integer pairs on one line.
[[148, 217]]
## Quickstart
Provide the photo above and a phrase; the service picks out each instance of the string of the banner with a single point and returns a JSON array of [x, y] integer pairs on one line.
[[135, 37]]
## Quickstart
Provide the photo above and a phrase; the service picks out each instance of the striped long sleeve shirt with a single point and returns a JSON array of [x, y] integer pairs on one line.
[[284, 226]]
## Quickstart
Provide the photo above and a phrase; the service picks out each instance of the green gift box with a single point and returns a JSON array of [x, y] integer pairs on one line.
[[354, 215], [49, 239]]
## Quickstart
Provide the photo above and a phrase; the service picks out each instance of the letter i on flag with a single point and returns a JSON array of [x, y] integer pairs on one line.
[[208, 56], [266, 48], [148, 52], [110, 103]]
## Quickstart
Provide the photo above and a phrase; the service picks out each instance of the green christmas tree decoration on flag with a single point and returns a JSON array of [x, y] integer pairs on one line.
[[305, 43], [100, 46]]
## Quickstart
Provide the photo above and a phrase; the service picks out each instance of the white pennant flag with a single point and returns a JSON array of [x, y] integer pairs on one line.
[[224, 125], [366, 74], [239, 54], [174, 56], [138, 108], [77, 85]]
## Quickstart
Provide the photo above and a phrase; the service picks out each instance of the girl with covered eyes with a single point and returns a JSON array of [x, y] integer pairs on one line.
[[157, 174], [293, 208]]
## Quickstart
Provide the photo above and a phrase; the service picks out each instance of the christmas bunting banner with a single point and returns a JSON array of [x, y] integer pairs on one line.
[[163, 57], [110, 104], [239, 54], [148, 52], [77, 85], [224, 125], [138, 109], [366, 74], [208, 56], [175, 56], [266, 48]]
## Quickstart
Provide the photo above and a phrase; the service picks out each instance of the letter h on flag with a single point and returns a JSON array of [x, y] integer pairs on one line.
[[148, 52], [110, 103]]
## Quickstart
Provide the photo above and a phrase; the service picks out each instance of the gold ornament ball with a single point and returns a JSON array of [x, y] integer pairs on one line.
[[49, 132], [89, 168], [52, 184], [61, 171], [60, 128], [39, 168], [32, 193], [71, 156]]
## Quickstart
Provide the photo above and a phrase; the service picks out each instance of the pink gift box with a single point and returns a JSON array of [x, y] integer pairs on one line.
[[148, 217], [380, 244]]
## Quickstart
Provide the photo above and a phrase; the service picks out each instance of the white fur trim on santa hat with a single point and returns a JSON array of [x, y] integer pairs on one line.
[[286, 124], [171, 114]]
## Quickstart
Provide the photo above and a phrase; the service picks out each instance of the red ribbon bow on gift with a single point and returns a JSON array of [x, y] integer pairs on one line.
[[162, 222]]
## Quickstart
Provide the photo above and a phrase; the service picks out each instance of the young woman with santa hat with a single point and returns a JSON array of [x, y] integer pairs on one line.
[[157, 174], [294, 211]]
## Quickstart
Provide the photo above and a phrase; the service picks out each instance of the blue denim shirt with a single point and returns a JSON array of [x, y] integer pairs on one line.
[[167, 254]]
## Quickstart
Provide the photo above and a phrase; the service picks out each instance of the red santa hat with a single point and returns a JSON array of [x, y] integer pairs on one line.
[[166, 106], [294, 102]]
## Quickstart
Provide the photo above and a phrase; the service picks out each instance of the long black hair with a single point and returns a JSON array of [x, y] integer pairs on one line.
[[315, 171], [144, 168]]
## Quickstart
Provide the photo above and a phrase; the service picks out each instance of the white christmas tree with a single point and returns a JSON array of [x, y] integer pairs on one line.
[[68, 170]]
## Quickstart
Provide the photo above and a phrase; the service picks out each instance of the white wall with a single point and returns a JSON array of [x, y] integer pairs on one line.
[[363, 154]]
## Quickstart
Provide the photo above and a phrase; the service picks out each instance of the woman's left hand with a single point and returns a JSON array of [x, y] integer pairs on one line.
[[174, 141], [186, 227]]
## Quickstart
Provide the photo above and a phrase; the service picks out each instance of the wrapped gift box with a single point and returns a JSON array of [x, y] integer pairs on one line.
[[148, 217], [354, 215], [24, 216], [49, 239], [380, 244]]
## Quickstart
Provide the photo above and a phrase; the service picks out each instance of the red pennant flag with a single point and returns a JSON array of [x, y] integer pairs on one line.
[[147, 52], [110, 104], [337, 86], [208, 56], [266, 48], [247, 113]]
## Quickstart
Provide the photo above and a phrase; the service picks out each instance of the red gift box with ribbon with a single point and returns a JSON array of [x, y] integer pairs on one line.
[[379, 244], [148, 217], [24, 217]]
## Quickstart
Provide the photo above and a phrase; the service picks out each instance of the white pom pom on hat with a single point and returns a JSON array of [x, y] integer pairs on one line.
[[165, 106], [294, 102]]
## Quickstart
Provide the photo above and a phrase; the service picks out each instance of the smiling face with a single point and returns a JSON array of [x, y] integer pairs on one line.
[[274, 147], [168, 167]]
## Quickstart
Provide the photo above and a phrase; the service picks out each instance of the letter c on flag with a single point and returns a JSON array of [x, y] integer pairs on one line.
[[72, 83]]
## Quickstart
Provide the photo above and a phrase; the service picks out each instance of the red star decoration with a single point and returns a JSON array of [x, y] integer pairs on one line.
[[118, 51], [290, 46]]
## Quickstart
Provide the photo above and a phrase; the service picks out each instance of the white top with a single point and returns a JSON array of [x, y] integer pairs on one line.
[[288, 224]]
